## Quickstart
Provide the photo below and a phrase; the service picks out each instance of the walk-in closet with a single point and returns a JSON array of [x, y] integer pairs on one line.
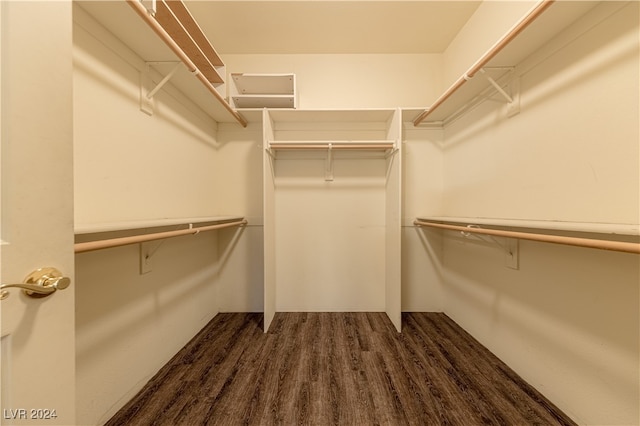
[[320, 212]]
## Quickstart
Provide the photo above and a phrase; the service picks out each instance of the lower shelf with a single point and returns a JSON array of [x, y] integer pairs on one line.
[[264, 101]]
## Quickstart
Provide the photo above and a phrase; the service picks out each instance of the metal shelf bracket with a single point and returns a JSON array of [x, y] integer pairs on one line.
[[328, 172], [510, 246], [513, 98], [146, 98]]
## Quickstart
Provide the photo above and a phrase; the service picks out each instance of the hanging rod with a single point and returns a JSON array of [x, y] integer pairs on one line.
[[484, 59], [166, 37], [115, 242], [622, 246]]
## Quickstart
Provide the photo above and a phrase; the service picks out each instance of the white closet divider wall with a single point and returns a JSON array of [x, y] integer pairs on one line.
[[393, 221], [269, 226], [332, 201]]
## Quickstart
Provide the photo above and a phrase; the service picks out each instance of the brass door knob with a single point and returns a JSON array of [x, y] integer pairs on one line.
[[40, 283]]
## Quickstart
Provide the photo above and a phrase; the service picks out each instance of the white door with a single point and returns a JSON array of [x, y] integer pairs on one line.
[[36, 211]]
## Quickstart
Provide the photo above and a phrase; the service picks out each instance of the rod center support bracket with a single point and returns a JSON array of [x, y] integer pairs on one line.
[[147, 92], [509, 246], [513, 84], [328, 172]]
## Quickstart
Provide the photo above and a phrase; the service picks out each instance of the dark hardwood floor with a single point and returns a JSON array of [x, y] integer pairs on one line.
[[336, 368]]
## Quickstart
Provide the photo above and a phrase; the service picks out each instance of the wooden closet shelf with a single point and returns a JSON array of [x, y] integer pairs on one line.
[[93, 228], [140, 39], [340, 145], [263, 101], [548, 234], [525, 37], [185, 38], [174, 17], [91, 244]]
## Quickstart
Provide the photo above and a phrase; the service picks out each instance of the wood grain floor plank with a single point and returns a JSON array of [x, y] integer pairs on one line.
[[442, 399], [256, 398], [421, 405], [480, 369], [509, 386], [465, 384], [336, 369]]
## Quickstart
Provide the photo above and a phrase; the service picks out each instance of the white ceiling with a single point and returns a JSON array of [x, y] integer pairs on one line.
[[330, 26]]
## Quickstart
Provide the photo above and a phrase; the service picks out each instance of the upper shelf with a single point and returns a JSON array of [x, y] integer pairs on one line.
[[174, 17], [358, 145], [83, 229], [544, 22], [264, 84], [622, 229], [127, 235], [142, 37], [262, 90], [336, 126], [606, 237], [371, 115]]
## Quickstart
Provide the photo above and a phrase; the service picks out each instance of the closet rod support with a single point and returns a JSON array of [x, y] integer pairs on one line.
[[270, 152], [622, 246], [164, 80], [328, 173], [150, 5], [489, 238], [510, 246], [391, 152], [496, 86]]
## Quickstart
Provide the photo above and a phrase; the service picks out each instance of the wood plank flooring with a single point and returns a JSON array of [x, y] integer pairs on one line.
[[336, 369]]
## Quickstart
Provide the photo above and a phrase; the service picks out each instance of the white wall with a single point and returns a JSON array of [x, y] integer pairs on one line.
[[239, 174], [422, 196], [330, 236], [129, 325], [351, 81], [572, 154], [568, 320], [130, 166]]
